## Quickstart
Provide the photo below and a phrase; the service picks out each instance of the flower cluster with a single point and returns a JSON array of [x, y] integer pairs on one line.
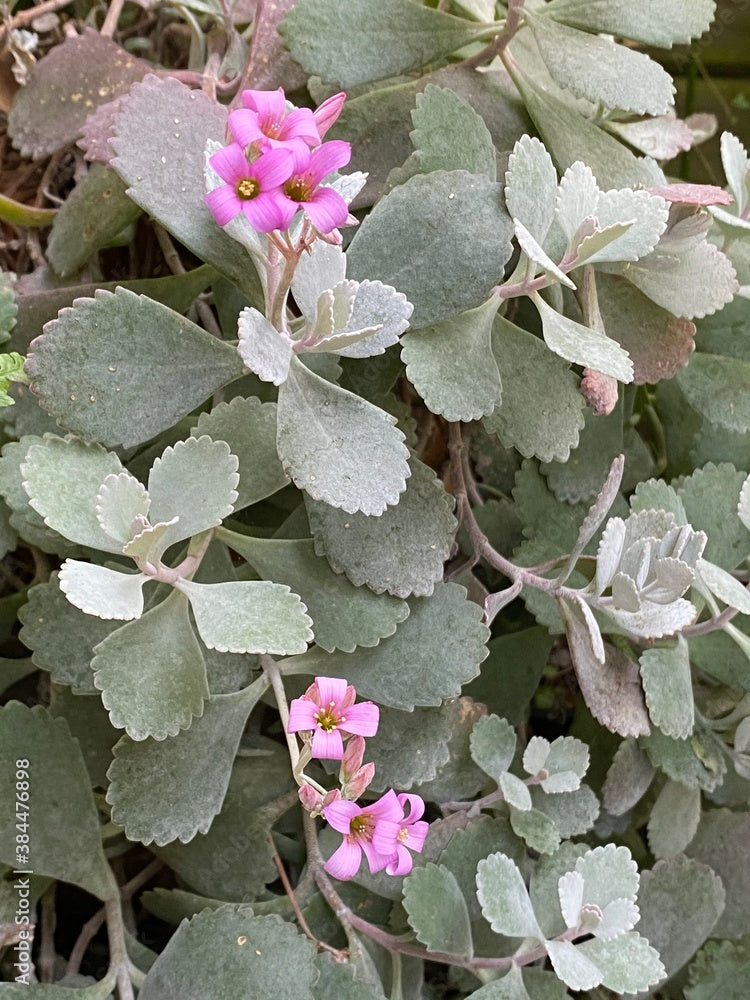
[[276, 162], [384, 831]]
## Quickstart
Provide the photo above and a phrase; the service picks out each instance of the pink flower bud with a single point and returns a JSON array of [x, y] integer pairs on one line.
[[359, 782], [352, 759], [333, 796], [311, 799], [328, 112]]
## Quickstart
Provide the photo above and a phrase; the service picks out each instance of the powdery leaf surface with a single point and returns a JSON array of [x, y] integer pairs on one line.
[[233, 954], [151, 672], [60, 782], [109, 357], [442, 641], [402, 552], [170, 789], [66, 86]]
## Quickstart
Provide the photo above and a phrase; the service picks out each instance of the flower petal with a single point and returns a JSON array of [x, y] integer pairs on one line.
[[375, 859], [362, 719], [330, 689], [341, 813], [344, 862], [272, 168], [385, 838], [300, 124], [416, 807], [270, 104], [224, 204], [244, 126], [230, 163], [326, 209], [415, 835], [328, 157], [327, 746], [301, 715], [401, 864], [266, 212]]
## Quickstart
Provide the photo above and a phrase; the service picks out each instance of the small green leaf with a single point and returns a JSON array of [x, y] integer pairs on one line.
[[515, 793], [572, 966], [101, 591], [493, 744], [94, 213], [450, 135], [504, 898], [403, 551], [249, 617], [437, 911], [721, 843], [231, 953], [736, 165], [674, 819], [469, 846], [451, 365], [536, 828], [710, 497], [263, 349], [565, 762], [326, 38], [62, 477], [531, 187], [338, 447], [117, 354], [697, 761], [628, 963], [541, 410], [249, 428], [396, 242], [581, 345], [151, 672], [193, 481], [58, 786], [668, 687], [609, 873], [573, 813], [698, 282], [122, 505], [171, 789], [721, 969]]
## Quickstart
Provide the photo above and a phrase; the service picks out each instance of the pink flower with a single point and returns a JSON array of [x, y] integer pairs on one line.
[[266, 121], [328, 112], [252, 188], [372, 829], [323, 206], [327, 708], [411, 836]]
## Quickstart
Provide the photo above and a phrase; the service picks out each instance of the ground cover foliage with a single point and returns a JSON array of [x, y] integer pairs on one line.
[[376, 482]]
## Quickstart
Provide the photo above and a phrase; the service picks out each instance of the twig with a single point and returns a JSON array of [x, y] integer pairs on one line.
[[113, 16], [47, 955], [90, 928], [500, 41], [271, 670], [339, 956], [118, 955], [24, 17]]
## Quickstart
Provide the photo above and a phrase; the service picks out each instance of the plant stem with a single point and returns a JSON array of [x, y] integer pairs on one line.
[[118, 953], [271, 670], [500, 41]]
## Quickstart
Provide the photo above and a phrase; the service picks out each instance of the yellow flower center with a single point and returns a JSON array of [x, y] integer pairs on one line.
[[327, 719], [247, 188], [299, 188]]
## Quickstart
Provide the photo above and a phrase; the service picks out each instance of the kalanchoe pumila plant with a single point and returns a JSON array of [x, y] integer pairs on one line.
[[482, 457]]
